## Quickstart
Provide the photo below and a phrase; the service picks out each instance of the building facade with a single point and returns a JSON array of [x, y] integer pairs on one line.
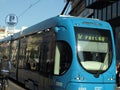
[[2, 33], [106, 10], [7, 31]]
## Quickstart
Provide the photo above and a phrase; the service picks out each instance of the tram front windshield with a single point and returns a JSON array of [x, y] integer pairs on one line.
[[94, 49]]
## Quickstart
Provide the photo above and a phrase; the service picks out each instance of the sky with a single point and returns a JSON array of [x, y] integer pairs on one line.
[[30, 12]]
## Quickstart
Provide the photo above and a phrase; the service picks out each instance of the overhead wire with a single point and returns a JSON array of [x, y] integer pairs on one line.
[[67, 9], [63, 11], [30, 6]]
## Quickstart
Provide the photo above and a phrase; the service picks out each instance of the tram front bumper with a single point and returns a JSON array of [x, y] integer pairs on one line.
[[91, 86]]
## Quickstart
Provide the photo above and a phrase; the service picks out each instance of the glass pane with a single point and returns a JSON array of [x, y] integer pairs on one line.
[[114, 10], [94, 48], [104, 14], [14, 53], [57, 62], [31, 55], [4, 47], [95, 13], [63, 58], [117, 34], [47, 52], [99, 14], [109, 12], [22, 53], [118, 8], [87, 2]]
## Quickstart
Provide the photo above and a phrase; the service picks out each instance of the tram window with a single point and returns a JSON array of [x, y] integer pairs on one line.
[[4, 47], [31, 48], [63, 58], [91, 54], [14, 53], [22, 52], [118, 9], [44, 56], [47, 53]]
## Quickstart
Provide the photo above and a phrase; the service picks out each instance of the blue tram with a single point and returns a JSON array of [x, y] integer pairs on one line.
[[63, 53]]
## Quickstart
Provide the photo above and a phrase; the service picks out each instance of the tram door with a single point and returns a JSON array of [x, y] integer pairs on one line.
[[46, 58]]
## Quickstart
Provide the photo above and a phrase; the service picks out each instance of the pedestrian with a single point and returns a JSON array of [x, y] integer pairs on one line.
[[118, 75], [5, 69], [5, 65]]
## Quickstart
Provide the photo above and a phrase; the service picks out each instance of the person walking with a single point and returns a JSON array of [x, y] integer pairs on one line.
[[118, 75], [5, 67]]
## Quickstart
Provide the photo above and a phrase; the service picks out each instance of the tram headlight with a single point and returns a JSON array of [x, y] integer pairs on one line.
[[79, 78], [111, 78]]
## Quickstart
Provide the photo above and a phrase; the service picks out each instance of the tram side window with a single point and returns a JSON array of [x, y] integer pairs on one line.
[[22, 53], [32, 52], [47, 53], [45, 58], [7, 49], [14, 52], [63, 58], [1, 51], [4, 49]]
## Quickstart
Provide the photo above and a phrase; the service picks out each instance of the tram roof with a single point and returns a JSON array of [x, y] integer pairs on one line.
[[47, 24], [42, 26]]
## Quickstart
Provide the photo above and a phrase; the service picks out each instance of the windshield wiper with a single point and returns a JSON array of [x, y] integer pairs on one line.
[[102, 66]]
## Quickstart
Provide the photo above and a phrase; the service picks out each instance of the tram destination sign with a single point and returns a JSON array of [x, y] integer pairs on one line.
[[92, 38]]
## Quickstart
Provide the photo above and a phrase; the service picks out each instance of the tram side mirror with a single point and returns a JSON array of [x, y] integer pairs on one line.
[[57, 29]]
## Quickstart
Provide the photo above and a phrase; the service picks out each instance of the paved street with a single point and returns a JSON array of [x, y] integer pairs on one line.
[[13, 86], [118, 88]]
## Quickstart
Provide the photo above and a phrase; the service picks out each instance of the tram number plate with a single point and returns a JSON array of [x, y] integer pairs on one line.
[[98, 88], [84, 88]]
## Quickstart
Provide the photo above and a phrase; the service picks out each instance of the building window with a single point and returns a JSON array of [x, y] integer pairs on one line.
[[118, 8], [95, 13], [114, 10], [109, 12], [90, 1], [87, 2], [104, 14], [117, 34], [99, 14], [94, 1]]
